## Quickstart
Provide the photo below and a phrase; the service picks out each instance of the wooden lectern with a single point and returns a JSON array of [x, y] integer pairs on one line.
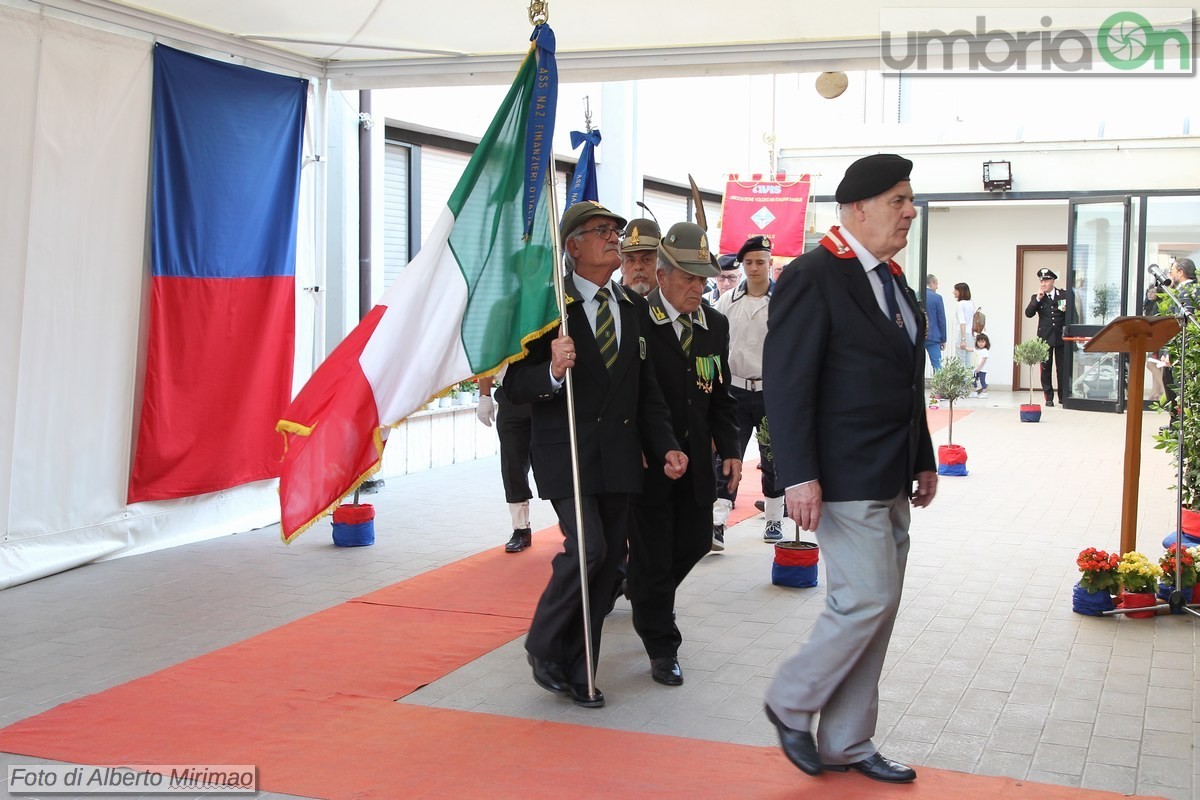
[[1135, 336]]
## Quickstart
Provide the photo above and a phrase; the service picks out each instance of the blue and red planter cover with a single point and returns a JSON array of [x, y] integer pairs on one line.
[[795, 566], [354, 526], [952, 459]]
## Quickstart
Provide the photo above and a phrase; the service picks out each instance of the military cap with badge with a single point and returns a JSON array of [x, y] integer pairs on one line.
[[582, 211], [641, 234], [1045, 274], [685, 247], [754, 244]]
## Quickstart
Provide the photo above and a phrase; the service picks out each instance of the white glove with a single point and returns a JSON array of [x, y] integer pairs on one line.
[[486, 412]]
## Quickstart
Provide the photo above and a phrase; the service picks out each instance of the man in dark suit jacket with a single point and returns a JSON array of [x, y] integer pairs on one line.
[[1050, 306], [842, 373], [689, 345], [619, 412]]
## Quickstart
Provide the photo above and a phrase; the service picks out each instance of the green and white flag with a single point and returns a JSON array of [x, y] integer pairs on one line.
[[481, 287]]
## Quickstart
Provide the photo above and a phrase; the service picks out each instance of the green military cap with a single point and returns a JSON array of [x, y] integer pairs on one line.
[[584, 210], [686, 247], [641, 234]]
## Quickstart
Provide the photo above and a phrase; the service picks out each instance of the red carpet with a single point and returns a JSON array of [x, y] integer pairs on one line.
[[312, 705]]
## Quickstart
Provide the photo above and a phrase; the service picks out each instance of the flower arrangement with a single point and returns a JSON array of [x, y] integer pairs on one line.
[[1098, 570], [1138, 573], [1188, 573]]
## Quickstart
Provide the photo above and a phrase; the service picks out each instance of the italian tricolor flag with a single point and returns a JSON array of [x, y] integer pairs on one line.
[[481, 287]]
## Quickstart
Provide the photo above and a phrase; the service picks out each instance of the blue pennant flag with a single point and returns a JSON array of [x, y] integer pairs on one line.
[[539, 130], [583, 182]]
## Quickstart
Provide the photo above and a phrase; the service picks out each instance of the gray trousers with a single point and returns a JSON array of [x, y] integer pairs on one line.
[[864, 546]]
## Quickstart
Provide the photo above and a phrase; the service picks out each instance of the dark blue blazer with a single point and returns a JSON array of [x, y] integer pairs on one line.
[[843, 386], [935, 316]]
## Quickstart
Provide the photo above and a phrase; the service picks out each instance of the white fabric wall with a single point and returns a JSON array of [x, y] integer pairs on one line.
[[73, 219]]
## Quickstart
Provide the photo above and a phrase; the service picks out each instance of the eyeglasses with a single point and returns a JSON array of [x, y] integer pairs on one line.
[[603, 231]]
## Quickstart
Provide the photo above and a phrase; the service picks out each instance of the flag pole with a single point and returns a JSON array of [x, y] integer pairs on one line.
[[560, 295]]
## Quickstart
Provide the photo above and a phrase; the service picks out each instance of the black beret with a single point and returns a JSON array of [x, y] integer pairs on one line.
[[727, 262], [1046, 274], [753, 244], [872, 175]]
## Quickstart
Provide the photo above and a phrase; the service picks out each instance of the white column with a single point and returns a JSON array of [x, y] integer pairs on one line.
[[619, 171]]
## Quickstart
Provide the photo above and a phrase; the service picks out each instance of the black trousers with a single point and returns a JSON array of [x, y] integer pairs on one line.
[[750, 412], [668, 538], [556, 633], [1054, 363], [513, 426]]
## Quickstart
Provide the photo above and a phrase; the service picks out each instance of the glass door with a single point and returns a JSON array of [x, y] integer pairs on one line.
[[1097, 276]]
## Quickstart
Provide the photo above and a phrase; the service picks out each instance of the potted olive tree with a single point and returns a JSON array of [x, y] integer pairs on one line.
[[951, 383], [1030, 352]]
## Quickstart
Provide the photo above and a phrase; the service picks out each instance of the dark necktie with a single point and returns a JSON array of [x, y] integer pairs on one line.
[[889, 294], [685, 335], [606, 329]]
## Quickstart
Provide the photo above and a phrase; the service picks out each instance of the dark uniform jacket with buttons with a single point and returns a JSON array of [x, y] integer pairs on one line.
[[617, 413], [1051, 312], [696, 388], [843, 385]]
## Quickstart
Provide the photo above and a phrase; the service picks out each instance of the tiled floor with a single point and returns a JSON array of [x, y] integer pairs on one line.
[[989, 671]]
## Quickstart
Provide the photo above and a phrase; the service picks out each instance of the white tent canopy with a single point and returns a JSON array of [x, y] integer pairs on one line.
[[361, 44]]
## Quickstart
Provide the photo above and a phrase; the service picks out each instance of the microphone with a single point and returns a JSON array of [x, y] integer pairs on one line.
[[1160, 277]]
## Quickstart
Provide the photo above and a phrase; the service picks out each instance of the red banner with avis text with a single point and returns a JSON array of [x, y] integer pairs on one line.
[[758, 205]]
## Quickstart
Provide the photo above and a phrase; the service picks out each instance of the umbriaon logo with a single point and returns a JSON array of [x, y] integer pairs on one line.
[[1030, 41], [1127, 40]]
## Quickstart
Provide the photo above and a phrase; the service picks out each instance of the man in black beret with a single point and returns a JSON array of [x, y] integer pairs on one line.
[[843, 371], [746, 307], [1050, 306]]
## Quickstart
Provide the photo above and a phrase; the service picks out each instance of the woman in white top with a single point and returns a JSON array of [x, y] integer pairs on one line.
[[965, 317]]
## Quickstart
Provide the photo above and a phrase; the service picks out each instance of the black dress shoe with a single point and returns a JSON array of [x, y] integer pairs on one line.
[[798, 746], [579, 694], [666, 671], [550, 676], [879, 768], [761, 505], [1049, 403], [521, 538]]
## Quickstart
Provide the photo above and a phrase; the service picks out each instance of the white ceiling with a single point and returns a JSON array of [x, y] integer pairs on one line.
[[384, 43]]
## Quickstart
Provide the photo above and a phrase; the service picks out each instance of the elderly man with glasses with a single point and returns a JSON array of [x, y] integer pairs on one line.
[[619, 414]]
